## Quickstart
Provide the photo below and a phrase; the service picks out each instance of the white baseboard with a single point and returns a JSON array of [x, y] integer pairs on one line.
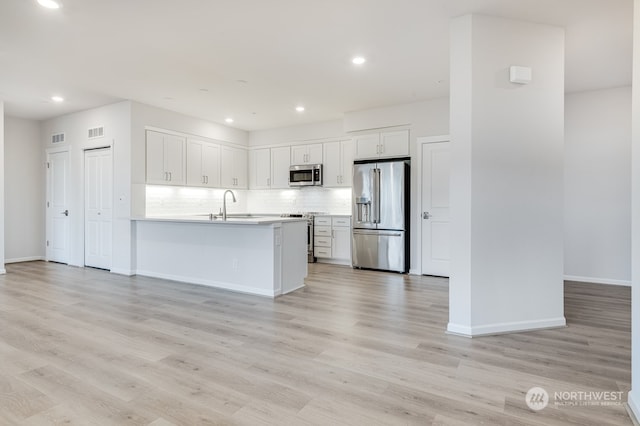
[[333, 261], [633, 406], [24, 259], [593, 280], [210, 283], [125, 272], [281, 293], [507, 327]]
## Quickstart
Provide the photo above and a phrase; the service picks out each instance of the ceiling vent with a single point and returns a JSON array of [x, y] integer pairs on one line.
[[57, 138], [96, 132]]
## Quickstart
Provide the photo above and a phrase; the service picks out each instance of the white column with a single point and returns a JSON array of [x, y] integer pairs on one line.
[[634, 394], [507, 177], [2, 177]]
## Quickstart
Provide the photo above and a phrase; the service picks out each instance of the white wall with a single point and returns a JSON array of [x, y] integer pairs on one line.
[[427, 118], [597, 222], [116, 121], [507, 177], [2, 177], [24, 190], [297, 134], [634, 394]]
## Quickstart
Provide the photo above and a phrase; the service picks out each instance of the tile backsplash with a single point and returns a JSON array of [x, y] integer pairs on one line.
[[326, 200], [175, 201]]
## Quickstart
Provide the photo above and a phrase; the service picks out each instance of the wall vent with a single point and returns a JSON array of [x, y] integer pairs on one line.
[[96, 132], [57, 138]]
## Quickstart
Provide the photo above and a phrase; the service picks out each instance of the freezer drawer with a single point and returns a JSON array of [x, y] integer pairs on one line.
[[383, 250]]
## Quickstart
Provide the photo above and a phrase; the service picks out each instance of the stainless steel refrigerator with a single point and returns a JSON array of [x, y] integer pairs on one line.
[[381, 215]]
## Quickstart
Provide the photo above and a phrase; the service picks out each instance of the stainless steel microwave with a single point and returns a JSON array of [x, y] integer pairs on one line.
[[305, 175]]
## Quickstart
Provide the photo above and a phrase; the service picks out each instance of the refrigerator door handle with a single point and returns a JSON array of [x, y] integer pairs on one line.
[[375, 197], [379, 233]]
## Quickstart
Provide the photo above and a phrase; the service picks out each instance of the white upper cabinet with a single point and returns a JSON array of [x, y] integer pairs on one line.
[[269, 168], [233, 168], [347, 155], [280, 163], [203, 164], [338, 163], [260, 169], [165, 157], [367, 146], [394, 144], [306, 154], [382, 145]]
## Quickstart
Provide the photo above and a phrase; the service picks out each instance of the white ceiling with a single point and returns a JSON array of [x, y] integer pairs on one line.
[[192, 56]]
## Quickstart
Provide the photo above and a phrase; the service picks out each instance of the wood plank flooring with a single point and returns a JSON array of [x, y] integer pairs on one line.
[[85, 347]]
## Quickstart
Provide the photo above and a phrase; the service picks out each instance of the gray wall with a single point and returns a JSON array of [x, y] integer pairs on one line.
[[24, 190], [597, 220]]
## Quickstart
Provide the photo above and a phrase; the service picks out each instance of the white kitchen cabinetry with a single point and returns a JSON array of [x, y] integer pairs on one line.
[[165, 157], [269, 168], [306, 154], [233, 168], [382, 145], [332, 239], [280, 163], [338, 163], [203, 164], [260, 169], [341, 238]]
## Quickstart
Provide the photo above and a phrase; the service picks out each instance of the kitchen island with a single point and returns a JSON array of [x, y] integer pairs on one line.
[[262, 255]]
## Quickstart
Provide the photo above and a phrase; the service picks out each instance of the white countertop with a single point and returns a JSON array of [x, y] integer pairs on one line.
[[232, 219]]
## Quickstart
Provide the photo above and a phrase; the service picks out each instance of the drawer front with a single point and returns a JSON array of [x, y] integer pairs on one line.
[[341, 221], [322, 220], [322, 242], [322, 231], [322, 251]]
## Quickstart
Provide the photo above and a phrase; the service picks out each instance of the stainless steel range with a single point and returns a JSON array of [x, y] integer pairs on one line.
[[309, 216]]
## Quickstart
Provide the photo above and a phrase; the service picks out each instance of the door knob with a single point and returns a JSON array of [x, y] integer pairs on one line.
[[66, 212], [426, 215]]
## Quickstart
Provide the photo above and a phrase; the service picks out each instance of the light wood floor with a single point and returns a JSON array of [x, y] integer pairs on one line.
[[82, 346]]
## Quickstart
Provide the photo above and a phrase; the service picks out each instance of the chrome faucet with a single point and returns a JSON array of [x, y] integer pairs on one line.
[[224, 203]]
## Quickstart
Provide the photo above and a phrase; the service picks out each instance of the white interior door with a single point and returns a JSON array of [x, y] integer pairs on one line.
[[435, 208], [57, 246], [98, 208]]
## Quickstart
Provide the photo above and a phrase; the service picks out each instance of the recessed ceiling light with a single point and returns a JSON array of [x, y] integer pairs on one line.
[[358, 60], [228, 120], [49, 4], [300, 108], [57, 99]]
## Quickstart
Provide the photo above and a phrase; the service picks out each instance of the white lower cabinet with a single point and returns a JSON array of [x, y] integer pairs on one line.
[[332, 239]]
